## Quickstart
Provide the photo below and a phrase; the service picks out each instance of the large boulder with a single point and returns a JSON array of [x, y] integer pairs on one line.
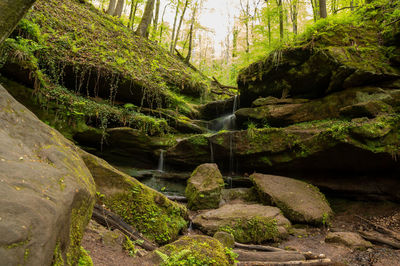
[[323, 63], [147, 210], [352, 103], [204, 187], [46, 191], [299, 201], [249, 223], [190, 250]]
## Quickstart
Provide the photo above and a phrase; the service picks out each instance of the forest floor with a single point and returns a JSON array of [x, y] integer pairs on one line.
[[305, 239]]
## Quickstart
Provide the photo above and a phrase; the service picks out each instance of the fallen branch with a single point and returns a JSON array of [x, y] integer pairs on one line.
[[381, 228], [379, 238], [113, 221], [257, 247], [321, 262], [223, 86], [177, 198], [397, 20], [223, 93], [276, 256]]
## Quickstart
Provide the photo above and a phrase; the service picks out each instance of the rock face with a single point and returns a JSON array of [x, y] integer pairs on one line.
[[300, 202], [46, 191], [249, 223], [204, 187], [351, 103], [349, 239], [216, 109], [202, 250], [147, 210]]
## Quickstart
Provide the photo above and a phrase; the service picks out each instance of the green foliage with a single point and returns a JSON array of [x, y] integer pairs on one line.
[[129, 246]]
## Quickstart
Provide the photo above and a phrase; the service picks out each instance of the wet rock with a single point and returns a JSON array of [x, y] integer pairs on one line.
[[300, 202], [46, 191], [241, 194], [204, 187], [366, 109], [249, 223], [349, 239], [226, 239], [147, 210], [216, 109]]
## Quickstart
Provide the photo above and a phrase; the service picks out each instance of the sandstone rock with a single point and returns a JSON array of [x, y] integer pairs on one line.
[[204, 250], [349, 239], [147, 210], [213, 110], [226, 239], [46, 191], [249, 223], [300, 202], [366, 109], [204, 187]]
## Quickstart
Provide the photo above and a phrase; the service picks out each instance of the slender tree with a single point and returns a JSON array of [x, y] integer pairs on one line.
[[179, 25], [155, 21], [322, 9], [132, 14], [171, 49], [111, 7], [293, 8], [10, 14], [162, 21], [280, 10], [143, 28], [119, 8], [315, 9], [191, 30]]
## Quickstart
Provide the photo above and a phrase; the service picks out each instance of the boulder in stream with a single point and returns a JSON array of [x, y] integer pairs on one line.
[[46, 191], [147, 210], [249, 223], [204, 187], [299, 201]]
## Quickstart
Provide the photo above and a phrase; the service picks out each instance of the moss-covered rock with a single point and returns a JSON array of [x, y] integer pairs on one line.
[[249, 223], [191, 250], [300, 202], [150, 212], [226, 239], [46, 192], [204, 187]]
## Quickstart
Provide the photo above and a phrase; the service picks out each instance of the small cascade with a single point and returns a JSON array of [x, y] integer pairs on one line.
[[229, 179], [211, 152], [190, 228], [161, 161], [228, 121]]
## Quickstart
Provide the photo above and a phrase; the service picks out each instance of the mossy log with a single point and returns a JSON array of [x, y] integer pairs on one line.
[[111, 220]]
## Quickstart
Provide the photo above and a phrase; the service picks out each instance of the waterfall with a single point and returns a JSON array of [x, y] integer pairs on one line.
[[227, 121], [211, 152], [161, 161]]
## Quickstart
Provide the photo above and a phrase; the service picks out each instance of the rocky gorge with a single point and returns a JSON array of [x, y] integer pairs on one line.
[[185, 176]]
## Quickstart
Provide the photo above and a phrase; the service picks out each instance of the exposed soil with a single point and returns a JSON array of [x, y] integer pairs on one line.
[[305, 238]]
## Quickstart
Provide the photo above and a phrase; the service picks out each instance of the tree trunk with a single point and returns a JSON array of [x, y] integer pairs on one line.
[[314, 5], [155, 22], [180, 24], [294, 13], [111, 7], [234, 42], [11, 11], [280, 7], [143, 29], [247, 27], [171, 49], [132, 14], [119, 8], [162, 22], [322, 9], [189, 55]]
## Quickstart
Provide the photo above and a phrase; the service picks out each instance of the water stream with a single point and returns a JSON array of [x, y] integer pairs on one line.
[[227, 121], [161, 161]]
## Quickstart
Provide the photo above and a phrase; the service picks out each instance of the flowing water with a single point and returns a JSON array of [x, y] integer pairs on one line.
[[211, 152], [161, 161], [227, 121]]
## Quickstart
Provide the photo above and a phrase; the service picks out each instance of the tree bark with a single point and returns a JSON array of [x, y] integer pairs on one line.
[[11, 12], [143, 29], [111, 7], [132, 14], [180, 24], [280, 7], [171, 49], [322, 9], [155, 21], [162, 21], [119, 8], [189, 54]]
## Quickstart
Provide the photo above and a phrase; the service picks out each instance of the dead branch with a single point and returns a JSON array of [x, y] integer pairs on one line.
[[379, 238], [223, 86], [381, 228], [113, 221], [321, 262], [276, 256], [257, 247]]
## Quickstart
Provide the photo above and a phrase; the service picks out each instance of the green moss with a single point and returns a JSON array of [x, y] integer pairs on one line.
[[255, 230], [198, 140], [58, 259], [196, 250], [149, 212], [85, 259]]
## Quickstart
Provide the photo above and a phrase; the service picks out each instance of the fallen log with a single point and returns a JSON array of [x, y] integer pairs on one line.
[[379, 238], [321, 262], [257, 247], [113, 221], [381, 228], [177, 198], [276, 256]]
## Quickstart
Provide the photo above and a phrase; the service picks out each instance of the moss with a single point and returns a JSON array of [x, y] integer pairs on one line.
[[85, 259], [254, 230], [198, 140], [196, 250], [149, 212], [58, 259]]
